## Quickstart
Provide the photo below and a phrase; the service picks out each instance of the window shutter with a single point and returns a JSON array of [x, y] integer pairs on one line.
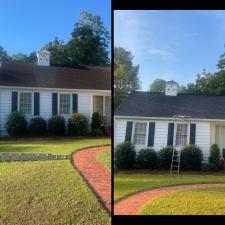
[[36, 103], [192, 133], [129, 131], [170, 134], [54, 103], [14, 101], [151, 134], [75, 103]]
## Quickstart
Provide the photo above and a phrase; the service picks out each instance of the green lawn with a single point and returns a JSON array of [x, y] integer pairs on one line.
[[61, 146], [129, 183], [207, 201], [104, 158], [47, 192]]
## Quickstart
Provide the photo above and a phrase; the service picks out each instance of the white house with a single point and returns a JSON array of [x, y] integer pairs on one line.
[[44, 90], [155, 120]]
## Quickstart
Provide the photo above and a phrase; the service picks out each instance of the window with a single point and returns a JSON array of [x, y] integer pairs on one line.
[[181, 135], [98, 104], [140, 133], [26, 103], [64, 104]]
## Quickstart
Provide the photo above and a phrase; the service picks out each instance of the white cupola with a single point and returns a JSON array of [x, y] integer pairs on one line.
[[171, 88], [43, 58]]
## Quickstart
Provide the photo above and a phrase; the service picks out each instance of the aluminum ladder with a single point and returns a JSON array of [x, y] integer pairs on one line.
[[175, 162]]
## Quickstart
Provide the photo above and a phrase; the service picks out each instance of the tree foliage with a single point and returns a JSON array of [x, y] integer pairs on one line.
[[158, 85], [3, 55], [125, 74]]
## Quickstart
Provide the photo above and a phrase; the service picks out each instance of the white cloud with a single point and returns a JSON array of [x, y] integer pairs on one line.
[[163, 54]]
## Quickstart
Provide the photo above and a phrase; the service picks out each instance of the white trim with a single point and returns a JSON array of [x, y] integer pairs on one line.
[[167, 118], [175, 133], [52, 89], [133, 129], [71, 102], [32, 102]]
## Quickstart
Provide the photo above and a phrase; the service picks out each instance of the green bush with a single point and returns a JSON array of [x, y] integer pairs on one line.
[[16, 125], [96, 121], [165, 157], [96, 132], [77, 125], [209, 167], [125, 155], [191, 158], [147, 159], [37, 126], [214, 156], [56, 125]]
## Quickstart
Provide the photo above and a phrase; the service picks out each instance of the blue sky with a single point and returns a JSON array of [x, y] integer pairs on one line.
[[175, 44], [26, 25]]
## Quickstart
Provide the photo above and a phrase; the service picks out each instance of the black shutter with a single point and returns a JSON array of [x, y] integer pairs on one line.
[[192, 133], [14, 101], [170, 134], [151, 134], [36, 103], [75, 103], [129, 131], [54, 103]]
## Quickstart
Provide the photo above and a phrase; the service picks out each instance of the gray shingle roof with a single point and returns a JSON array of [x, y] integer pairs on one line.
[[152, 104], [31, 75]]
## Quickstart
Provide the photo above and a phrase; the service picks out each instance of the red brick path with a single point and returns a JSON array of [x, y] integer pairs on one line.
[[97, 177], [131, 205]]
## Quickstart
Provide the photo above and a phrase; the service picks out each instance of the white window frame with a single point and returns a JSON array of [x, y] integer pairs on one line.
[[146, 136], [175, 134], [71, 102], [32, 102]]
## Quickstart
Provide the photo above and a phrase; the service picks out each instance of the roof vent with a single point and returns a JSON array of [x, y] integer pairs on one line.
[[171, 88], [43, 58]]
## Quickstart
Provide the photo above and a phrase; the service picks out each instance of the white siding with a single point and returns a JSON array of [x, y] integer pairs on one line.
[[119, 131], [203, 138], [161, 131], [5, 108], [84, 102]]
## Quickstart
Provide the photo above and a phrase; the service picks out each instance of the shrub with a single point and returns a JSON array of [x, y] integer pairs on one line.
[[191, 158], [16, 125], [125, 155], [38, 126], [165, 157], [147, 159], [56, 125], [78, 125], [96, 132], [96, 121], [209, 167], [214, 156]]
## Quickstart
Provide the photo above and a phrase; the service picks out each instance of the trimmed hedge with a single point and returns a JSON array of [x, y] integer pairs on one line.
[[125, 156], [38, 126], [56, 125], [16, 125], [191, 158], [96, 132], [165, 157], [96, 121], [147, 159], [77, 125], [209, 167], [214, 156]]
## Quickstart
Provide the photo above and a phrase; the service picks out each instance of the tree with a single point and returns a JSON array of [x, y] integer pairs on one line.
[[19, 57], [221, 62], [32, 57], [125, 75], [158, 85], [3, 55], [59, 52], [90, 41]]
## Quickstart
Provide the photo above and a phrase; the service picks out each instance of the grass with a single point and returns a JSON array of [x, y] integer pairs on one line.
[[104, 158], [47, 192], [126, 184], [59, 147], [207, 201]]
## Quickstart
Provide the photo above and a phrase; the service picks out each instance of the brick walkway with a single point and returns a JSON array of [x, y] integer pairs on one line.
[[131, 205], [96, 176]]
